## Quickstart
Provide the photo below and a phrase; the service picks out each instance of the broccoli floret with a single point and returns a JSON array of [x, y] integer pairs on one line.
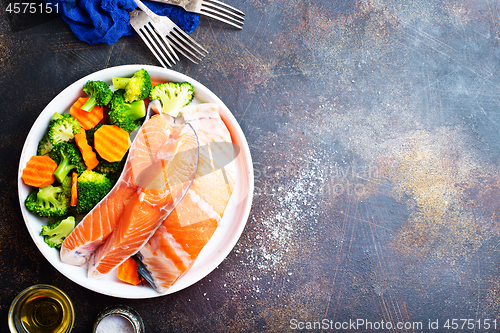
[[48, 201], [57, 115], [92, 187], [68, 157], [112, 170], [62, 128], [66, 186], [127, 116], [173, 96], [55, 233], [136, 88], [135, 110], [99, 94], [109, 168], [44, 146]]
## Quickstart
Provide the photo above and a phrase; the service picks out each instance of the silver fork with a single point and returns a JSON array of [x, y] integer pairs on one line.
[[211, 8], [175, 36], [157, 43]]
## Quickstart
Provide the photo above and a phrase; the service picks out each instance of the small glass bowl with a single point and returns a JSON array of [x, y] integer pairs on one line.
[[124, 311], [41, 308]]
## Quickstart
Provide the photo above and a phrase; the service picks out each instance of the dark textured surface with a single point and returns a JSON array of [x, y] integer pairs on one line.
[[374, 130]]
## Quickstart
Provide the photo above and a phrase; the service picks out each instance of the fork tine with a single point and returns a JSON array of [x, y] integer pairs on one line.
[[190, 40], [180, 49], [182, 45], [223, 12], [156, 33], [224, 5], [221, 17], [158, 44], [183, 42], [162, 41], [153, 49], [172, 35]]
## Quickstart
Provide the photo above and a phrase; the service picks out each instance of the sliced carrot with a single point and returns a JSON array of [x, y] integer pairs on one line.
[[74, 188], [155, 82], [39, 171], [90, 119], [111, 142], [88, 154], [127, 272]]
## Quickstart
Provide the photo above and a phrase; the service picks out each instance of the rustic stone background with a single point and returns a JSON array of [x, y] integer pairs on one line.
[[374, 131]]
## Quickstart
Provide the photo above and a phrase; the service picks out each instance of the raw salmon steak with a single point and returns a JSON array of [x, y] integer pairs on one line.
[[174, 247], [96, 226], [162, 165], [154, 157]]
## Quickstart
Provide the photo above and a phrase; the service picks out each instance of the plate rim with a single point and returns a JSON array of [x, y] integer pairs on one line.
[[233, 127]]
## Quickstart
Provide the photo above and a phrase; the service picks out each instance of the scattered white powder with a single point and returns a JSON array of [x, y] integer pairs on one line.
[[289, 206], [115, 324]]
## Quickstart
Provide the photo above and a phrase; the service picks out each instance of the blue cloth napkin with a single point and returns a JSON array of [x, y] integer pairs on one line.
[[106, 21]]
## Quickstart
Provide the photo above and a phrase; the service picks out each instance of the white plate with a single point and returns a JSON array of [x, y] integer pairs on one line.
[[224, 238]]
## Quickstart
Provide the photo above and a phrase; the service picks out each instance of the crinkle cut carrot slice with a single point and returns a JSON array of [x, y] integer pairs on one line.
[[39, 171]]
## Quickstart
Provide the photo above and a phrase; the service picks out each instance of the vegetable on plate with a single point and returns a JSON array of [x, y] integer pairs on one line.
[[68, 157], [127, 272], [136, 87], [86, 119], [39, 171], [89, 156], [74, 189], [99, 94], [91, 188], [125, 115], [173, 96], [62, 128], [48, 201], [55, 233], [111, 142]]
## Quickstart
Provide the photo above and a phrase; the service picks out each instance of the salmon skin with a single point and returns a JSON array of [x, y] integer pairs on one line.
[[174, 247], [160, 167]]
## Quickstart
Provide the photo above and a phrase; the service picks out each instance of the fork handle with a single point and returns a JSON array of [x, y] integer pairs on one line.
[[189, 5], [144, 8]]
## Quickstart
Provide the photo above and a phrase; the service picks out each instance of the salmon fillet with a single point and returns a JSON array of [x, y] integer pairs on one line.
[[167, 256], [162, 165], [152, 146], [174, 247], [136, 224], [96, 226]]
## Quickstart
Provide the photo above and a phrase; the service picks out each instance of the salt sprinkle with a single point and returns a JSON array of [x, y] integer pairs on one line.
[[115, 323]]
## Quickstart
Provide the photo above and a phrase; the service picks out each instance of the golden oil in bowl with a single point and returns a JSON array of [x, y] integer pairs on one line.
[[41, 309]]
